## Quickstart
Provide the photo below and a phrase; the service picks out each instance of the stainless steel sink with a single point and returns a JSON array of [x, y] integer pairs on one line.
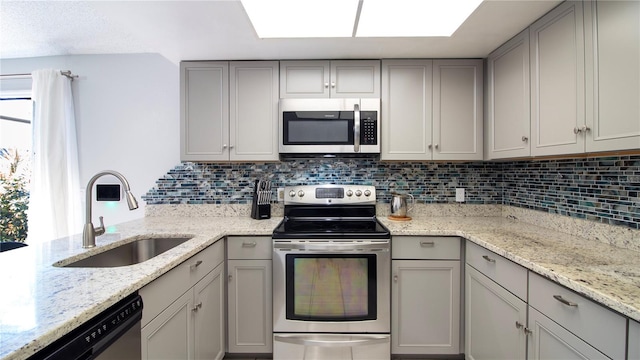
[[130, 253]]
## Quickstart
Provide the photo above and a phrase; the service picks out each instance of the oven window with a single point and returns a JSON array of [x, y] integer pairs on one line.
[[335, 287]]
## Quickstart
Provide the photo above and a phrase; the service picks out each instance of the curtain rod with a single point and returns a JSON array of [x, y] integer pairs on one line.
[[66, 73]]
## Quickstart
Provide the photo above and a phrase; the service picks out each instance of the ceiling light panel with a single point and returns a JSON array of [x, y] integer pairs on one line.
[[302, 18], [413, 18]]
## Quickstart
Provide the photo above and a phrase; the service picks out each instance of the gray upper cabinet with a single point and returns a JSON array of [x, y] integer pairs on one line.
[[253, 125], [508, 100], [336, 79], [432, 110], [612, 39], [204, 111], [557, 81], [229, 111]]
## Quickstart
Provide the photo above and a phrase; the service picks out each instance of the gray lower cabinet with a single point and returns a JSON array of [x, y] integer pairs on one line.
[[633, 345], [183, 316], [250, 326], [494, 318], [425, 295], [513, 313]]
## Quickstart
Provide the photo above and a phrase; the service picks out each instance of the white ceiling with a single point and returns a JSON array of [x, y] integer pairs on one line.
[[220, 29]]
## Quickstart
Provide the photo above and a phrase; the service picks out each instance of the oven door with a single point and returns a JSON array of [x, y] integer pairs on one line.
[[331, 286]]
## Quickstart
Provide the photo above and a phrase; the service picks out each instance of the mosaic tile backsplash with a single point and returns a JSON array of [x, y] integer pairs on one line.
[[603, 189]]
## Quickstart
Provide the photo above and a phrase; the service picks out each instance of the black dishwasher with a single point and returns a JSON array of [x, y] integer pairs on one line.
[[113, 334]]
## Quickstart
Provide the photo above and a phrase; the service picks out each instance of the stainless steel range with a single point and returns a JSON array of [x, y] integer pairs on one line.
[[331, 275]]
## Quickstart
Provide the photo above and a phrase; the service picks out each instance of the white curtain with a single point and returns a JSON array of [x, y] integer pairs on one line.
[[54, 204]]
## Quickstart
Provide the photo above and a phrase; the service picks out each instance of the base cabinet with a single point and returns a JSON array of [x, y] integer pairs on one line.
[[633, 345], [495, 320], [249, 313], [551, 341], [192, 327], [425, 295], [183, 316]]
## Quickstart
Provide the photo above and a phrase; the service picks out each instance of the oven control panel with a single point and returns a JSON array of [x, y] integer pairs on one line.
[[330, 194]]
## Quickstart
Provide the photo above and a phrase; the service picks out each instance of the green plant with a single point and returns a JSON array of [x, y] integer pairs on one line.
[[14, 197]]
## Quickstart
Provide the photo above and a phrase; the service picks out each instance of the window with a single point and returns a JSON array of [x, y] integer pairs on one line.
[[16, 114]]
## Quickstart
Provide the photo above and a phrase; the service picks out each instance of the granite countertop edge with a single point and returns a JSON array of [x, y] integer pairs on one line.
[[96, 291]]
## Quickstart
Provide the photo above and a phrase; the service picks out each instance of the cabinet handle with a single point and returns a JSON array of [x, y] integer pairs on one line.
[[230, 146], [527, 331], [565, 301], [326, 85], [194, 266], [519, 325], [437, 146], [525, 139], [333, 85], [430, 146], [249, 244], [198, 306], [224, 146], [230, 277], [583, 129], [427, 244], [395, 278], [488, 259]]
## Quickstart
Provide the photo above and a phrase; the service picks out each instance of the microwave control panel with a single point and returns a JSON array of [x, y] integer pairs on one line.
[[368, 128]]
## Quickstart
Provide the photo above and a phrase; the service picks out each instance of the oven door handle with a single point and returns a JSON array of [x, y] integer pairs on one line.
[[355, 340], [330, 248]]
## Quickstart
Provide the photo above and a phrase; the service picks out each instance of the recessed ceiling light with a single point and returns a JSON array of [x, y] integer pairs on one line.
[[412, 18], [339, 18], [302, 18]]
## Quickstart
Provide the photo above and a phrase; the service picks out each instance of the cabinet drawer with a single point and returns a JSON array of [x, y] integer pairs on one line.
[[509, 275], [425, 247], [249, 247], [601, 328], [161, 292]]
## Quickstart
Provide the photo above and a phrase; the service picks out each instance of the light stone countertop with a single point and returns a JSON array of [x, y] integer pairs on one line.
[[41, 302]]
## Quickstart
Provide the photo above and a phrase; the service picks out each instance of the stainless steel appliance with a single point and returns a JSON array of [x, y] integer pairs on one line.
[[331, 275], [114, 334], [329, 126]]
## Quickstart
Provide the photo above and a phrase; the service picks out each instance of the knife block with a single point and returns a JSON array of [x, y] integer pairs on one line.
[[260, 211]]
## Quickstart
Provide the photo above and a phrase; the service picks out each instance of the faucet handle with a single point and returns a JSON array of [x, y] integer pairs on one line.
[[100, 229]]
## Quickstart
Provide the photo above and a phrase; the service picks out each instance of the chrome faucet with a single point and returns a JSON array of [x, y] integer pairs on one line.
[[89, 233]]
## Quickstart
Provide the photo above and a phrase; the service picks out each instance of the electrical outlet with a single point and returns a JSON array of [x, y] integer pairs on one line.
[[280, 194], [459, 194]]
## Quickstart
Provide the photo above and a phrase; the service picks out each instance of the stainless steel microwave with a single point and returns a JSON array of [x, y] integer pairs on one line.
[[329, 126]]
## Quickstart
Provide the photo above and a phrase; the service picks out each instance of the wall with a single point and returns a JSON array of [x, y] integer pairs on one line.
[[602, 189], [127, 116]]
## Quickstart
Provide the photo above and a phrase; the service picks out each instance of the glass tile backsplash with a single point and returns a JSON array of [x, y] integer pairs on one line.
[[604, 189]]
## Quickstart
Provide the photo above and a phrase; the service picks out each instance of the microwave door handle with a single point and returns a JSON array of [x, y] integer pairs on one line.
[[356, 128]]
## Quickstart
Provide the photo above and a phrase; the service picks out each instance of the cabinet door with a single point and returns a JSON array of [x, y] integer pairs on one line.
[[425, 307], [355, 79], [508, 100], [170, 334], [557, 81], [304, 79], [490, 306], [551, 341], [633, 346], [457, 110], [406, 110], [209, 324], [204, 111], [253, 127], [249, 306], [613, 74]]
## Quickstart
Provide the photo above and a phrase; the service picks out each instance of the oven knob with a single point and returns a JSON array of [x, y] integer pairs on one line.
[[349, 193], [367, 193], [301, 193], [358, 193], [292, 193]]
